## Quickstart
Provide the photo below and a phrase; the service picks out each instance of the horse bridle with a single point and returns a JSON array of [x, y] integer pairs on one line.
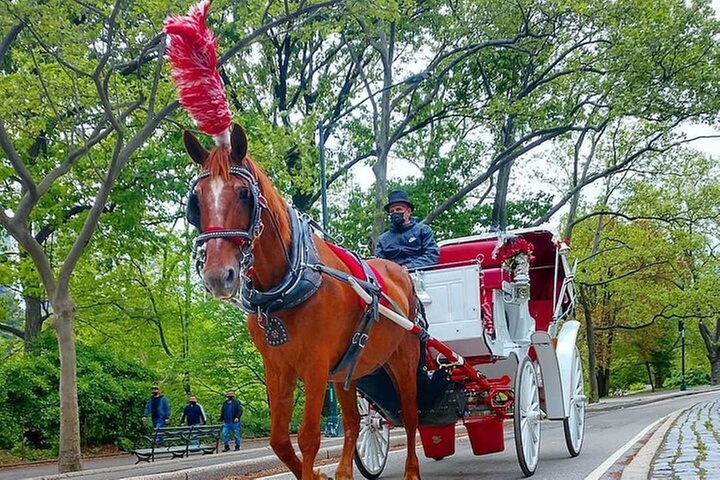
[[242, 238]]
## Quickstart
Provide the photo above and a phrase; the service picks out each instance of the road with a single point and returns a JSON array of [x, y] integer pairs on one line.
[[606, 432]]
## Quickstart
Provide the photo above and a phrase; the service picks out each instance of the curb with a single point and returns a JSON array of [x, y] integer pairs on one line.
[[641, 464], [217, 472], [601, 407]]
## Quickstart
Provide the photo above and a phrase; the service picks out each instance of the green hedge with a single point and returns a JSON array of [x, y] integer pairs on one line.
[[111, 395]]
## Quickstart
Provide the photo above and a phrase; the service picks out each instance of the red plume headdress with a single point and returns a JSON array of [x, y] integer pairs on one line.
[[193, 60]]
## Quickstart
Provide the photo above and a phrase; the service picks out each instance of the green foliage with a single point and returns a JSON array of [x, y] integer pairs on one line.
[[111, 393], [694, 376]]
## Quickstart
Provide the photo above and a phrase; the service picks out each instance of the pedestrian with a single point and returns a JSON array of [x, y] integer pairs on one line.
[[230, 414], [158, 408], [406, 242], [193, 413]]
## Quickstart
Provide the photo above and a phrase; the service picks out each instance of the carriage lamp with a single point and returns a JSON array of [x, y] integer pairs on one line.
[[521, 287]]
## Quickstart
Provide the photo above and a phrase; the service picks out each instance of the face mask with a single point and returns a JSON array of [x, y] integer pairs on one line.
[[397, 219], [156, 394], [230, 397], [193, 403]]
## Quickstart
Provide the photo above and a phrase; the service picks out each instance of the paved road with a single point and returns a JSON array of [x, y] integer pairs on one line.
[[256, 456], [606, 432]]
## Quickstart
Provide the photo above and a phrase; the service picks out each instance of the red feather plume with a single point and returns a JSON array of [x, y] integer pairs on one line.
[[193, 60]]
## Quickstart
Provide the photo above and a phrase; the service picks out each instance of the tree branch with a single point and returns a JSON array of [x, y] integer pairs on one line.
[[17, 163], [250, 38], [15, 331], [11, 36], [624, 275]]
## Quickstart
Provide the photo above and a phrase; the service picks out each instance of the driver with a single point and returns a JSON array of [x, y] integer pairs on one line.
[[406, 242]]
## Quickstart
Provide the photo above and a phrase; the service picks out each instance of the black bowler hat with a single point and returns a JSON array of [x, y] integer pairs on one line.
[[398, 196]]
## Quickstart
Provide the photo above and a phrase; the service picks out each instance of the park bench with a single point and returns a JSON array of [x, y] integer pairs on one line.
[[178, 442]]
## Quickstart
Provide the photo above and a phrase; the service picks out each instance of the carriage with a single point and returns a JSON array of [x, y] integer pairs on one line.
[[501, 346], [495, 340]]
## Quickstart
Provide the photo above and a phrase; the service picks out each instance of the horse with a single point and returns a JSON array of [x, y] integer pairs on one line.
[[247, 231]]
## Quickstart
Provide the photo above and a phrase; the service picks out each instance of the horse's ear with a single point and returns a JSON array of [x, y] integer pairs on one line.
[[194, 148], [238, 144]]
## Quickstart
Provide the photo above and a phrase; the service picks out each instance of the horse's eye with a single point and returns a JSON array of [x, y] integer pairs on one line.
[[244, 193]]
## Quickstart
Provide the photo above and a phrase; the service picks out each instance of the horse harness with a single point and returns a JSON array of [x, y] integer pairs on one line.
[[302, 280]]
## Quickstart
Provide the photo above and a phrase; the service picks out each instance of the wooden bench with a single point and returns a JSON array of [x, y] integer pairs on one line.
[[178, 442]]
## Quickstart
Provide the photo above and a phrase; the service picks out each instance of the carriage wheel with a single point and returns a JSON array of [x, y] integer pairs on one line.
[[373, 443], [526, 417], [574, 424]]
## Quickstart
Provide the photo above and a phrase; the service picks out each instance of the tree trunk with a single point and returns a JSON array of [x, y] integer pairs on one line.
[[380, 170], [499, 211], [69, 454], [650, 375], [33, 323], [590, 337], [603, 375], [712, 348], [714, 370]]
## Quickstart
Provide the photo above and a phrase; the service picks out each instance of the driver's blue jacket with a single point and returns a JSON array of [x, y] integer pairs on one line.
[[412, 245]]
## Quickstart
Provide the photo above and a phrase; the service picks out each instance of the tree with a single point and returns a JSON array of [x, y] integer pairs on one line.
[[92, 99], [646, 258], [590, 72]]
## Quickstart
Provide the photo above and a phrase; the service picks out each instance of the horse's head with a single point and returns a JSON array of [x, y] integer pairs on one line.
[[225, 204]]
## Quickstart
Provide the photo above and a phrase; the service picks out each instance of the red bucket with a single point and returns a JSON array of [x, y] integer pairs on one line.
[[438, 442], [485, 434]]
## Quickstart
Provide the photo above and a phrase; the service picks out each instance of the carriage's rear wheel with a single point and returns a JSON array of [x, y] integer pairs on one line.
[[526, 417], [574, 424], [371, 449]]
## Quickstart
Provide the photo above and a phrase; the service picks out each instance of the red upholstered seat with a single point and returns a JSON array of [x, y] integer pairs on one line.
[[469, 252], [492, 278]]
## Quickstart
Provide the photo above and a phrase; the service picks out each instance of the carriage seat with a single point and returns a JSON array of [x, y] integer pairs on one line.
[[492, 278]]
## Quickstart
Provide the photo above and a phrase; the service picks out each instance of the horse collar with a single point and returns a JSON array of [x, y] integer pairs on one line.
[[298, 284]]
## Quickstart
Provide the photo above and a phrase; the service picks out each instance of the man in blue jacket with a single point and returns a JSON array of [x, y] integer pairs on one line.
[[407, 242], [158, 408], [230, 414]]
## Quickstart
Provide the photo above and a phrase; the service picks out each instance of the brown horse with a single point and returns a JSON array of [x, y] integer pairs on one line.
[[320, 329]]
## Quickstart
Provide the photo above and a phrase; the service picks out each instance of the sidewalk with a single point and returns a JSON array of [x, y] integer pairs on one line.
[[256, 454], [691, 447], [637, 399]]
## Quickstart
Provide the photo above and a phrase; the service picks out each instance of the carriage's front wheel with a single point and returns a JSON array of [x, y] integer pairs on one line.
[[526, 417], [574, 424], [373, 444]]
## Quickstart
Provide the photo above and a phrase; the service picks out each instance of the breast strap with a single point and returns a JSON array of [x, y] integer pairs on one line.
[[298, 284]]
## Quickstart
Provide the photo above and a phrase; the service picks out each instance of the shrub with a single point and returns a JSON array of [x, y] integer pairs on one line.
[[111, 395]]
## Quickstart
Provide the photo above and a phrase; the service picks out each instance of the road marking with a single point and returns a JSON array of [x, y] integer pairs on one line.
[[605, 466]]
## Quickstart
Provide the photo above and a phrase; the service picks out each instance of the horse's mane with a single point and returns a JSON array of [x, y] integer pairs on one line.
[[218, 164]]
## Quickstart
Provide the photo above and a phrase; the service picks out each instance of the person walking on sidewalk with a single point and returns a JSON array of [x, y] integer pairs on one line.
[[158, 408], [193, 413], [230, 414]]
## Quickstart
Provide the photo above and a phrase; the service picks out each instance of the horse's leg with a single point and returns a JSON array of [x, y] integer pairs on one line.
[[309, 432], [280, 387], [351, 426], [403, 369]]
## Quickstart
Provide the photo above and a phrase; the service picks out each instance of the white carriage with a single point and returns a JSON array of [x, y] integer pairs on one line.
[[503, 339]]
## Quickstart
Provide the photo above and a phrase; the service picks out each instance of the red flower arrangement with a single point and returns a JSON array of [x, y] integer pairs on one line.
[[510, 248]]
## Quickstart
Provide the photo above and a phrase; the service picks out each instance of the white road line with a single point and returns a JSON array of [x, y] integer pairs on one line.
[[605, 466]]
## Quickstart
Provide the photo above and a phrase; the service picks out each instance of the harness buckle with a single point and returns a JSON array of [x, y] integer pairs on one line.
[[359, 339], [261, 318]]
